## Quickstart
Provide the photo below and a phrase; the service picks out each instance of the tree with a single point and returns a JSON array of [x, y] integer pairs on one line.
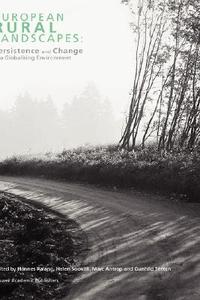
[[172, 68], [150, 58], [35, 125], [182, 104], [88, 119]]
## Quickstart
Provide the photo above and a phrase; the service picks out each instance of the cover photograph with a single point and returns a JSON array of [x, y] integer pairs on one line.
[[100, 150]]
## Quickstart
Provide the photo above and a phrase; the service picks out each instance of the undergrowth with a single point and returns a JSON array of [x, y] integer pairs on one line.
[[174, 172]]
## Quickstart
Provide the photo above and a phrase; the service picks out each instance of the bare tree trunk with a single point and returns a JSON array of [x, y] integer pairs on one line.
[[147, 71]]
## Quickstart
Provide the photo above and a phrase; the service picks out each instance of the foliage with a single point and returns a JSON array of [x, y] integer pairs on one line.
[[170, 172], [167, 59], [149, 29], [35, 126]]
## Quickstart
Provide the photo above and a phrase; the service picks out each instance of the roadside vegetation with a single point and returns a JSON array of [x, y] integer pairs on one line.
[[146, 169], [32, 244]]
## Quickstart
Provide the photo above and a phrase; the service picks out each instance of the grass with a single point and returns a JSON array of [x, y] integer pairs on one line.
[[34, 243], [177, 172]]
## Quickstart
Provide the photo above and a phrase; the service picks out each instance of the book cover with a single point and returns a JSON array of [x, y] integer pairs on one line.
[[99, 152]]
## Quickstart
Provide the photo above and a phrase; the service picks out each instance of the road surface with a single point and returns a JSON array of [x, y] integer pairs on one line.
[[143, 247]]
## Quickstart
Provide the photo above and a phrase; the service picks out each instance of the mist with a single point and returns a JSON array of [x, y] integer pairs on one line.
[[34, 126]]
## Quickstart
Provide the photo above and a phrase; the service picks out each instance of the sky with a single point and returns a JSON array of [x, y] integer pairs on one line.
[[107, 60]]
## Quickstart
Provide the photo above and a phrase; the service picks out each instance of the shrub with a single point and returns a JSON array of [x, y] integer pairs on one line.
[[175, 172]]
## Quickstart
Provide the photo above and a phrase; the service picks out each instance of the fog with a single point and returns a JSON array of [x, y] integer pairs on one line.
[[34, 126], [75, 113]]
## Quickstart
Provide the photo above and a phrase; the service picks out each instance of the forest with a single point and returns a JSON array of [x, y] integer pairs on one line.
[[34, 126]]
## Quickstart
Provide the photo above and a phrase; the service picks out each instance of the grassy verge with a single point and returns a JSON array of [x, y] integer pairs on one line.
[[145, 169], [33, 245]]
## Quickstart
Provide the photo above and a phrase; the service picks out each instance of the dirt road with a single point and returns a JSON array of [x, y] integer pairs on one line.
[[146, 247]]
